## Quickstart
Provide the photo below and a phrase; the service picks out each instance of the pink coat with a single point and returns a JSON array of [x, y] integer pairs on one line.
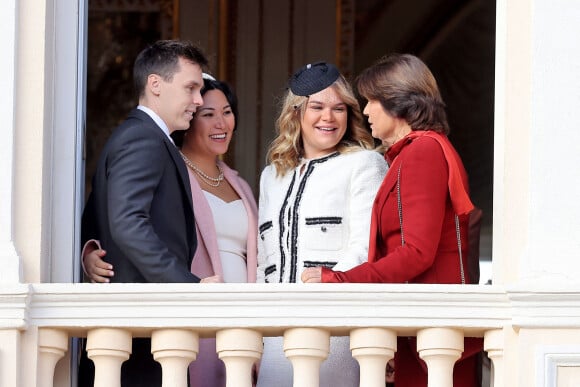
[[206, 261], [207, 369]]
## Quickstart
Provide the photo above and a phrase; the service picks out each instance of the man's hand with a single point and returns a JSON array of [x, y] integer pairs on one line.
[[312, 275]]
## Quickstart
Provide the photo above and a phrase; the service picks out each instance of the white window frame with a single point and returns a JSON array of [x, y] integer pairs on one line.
[[67, 173]]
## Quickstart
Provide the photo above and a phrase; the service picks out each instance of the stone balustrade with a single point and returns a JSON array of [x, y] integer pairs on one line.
[[175, 316]]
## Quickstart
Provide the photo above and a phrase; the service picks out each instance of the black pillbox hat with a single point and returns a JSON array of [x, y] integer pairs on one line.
[[313, 78]]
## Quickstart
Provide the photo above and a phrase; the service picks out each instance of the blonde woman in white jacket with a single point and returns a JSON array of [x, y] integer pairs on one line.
[[315, 201]]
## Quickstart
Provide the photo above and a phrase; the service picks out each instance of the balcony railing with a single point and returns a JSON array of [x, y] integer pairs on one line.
[[175, 316]]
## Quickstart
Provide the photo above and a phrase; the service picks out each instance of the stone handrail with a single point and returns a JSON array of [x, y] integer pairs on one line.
[[176, 315]]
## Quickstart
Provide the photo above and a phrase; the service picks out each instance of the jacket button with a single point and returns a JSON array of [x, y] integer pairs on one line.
[[323, 228]]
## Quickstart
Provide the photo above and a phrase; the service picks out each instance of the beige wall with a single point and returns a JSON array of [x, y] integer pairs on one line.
[[515, 192], [10, 366], [560, 347], [512, 131], [29, 138]]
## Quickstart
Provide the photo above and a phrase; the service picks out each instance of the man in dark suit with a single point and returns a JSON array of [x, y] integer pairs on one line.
[[140, 206]]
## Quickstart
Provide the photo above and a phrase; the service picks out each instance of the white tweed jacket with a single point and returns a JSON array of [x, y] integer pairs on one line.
[[320, 217]]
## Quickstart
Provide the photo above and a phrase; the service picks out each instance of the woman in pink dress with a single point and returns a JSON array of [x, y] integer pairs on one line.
[[225, 214]]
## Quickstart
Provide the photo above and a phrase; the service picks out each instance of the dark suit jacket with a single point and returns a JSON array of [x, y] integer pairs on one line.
[[140, 206]]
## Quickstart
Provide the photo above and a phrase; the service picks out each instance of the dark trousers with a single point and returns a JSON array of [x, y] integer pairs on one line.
[[140, 370]]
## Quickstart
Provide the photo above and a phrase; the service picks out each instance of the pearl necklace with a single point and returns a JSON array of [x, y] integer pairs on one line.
[[211, 181]]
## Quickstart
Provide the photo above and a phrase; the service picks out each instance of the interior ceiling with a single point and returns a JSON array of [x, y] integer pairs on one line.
[[413, 26]]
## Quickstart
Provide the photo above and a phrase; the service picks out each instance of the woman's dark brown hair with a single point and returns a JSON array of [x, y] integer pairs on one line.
[[406, 89]]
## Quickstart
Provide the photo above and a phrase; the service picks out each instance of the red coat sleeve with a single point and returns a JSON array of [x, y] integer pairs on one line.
[[424, 197]]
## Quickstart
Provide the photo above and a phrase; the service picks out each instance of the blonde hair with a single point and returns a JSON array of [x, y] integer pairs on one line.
[[287, 148]]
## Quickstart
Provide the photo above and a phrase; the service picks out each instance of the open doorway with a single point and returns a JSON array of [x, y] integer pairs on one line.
[[255, 47]]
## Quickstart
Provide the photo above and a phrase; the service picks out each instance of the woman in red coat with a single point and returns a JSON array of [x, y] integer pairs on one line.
[[420, 215]]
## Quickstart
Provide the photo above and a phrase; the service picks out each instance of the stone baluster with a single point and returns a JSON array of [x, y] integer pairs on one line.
[[108, 348], [373, 348], [439, 348], [493, 343], [306, 348], [174, 349], [239, 349], [52, 345]]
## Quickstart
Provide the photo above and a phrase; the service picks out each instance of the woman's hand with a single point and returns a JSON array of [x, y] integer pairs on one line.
[[96, 269], [215, 279], [390, 372], [312, 275]]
